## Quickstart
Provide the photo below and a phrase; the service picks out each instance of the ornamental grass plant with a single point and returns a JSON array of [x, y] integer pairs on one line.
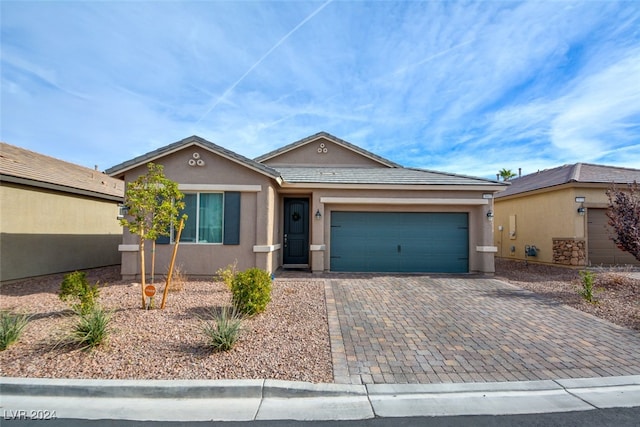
[[223, 330], [11, 327], [92, 328]]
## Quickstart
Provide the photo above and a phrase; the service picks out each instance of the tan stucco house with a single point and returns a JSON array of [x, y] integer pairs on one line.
[[321, 204], [55, 216], [558, 216]]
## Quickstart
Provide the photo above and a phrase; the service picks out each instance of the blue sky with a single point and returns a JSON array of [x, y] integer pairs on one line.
[[463, 87]]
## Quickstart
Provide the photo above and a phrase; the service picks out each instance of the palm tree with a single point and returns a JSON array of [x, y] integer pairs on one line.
[[506, 174]]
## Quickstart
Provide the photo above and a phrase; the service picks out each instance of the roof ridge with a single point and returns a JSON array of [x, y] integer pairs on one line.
[[575, 173]]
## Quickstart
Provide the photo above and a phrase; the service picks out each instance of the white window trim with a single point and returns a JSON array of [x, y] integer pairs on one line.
[[197, 193]]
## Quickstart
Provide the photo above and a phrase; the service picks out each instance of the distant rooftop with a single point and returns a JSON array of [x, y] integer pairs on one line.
[[578, 172], [30, 168]]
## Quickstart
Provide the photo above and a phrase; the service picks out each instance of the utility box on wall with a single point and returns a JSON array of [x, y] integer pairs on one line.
[[530, 250]]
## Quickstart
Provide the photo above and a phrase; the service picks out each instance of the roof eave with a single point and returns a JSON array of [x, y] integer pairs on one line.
[[412, 187], [57, 187]]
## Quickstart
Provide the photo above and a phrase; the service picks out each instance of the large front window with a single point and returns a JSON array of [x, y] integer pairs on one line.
[[205, 218]]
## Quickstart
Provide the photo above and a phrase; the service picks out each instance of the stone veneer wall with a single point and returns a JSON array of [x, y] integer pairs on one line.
[[569, 251]]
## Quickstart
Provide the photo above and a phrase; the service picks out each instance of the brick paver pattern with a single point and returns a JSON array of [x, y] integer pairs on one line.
[[432, 329]]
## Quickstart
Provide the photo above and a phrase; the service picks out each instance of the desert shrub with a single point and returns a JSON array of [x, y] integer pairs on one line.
[[92, 328], [251, 291], [76, 288], [11, 327], [610, 280], [223, 330], [227, 274], [178, 279], [587, 279]]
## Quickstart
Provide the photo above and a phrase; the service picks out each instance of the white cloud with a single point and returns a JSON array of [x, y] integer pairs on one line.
[[468, 87], [604, 106]]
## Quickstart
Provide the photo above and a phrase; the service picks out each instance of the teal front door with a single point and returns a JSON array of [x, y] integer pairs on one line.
[[417, 242]]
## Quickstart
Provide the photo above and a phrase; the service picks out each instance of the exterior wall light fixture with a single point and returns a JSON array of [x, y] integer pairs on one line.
[[581, 210], [318, 214], [490, 215]]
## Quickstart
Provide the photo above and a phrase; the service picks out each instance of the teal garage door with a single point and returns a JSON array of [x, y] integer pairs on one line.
[[405, 242]]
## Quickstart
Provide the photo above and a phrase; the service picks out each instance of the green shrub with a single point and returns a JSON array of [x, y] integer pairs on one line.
[[586, 279], [91, 328], [11, 327], [251, 291], [76, 288], [224, 330]]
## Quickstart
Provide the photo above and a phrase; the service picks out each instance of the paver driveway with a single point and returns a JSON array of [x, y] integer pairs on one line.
[[421, 329]]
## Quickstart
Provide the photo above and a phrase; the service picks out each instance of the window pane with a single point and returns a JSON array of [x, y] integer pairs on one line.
[[189, 231], [210, 230]]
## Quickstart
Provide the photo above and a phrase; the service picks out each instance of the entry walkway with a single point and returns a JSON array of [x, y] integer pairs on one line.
[[460, 329]]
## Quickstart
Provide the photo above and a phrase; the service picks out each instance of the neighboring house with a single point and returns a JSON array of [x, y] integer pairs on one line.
[[55, 216], [562, 213], [321, 204]]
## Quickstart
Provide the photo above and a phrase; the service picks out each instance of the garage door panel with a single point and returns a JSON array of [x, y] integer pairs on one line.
[[602, 249], [399, 242]]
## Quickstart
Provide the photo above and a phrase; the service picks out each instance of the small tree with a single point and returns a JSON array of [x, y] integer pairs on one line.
[[506, 174], [153, 203], [624, 217]]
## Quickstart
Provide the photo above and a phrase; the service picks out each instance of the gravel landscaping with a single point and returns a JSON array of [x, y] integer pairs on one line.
[[616, 290], [289, 341]]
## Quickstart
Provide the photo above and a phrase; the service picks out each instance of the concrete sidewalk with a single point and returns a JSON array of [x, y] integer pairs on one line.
[[246, 400]]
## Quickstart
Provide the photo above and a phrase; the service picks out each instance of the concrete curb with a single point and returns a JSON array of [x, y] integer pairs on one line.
[[244, 400]]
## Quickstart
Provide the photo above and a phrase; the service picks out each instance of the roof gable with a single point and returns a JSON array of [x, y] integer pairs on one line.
[[578, 173], [320, 150], [30, 168], [194, 140]]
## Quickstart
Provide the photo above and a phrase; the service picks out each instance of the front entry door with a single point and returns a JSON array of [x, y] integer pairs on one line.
[[296, 233]]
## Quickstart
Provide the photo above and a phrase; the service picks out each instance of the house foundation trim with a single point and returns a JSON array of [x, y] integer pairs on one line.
[[400, 201], [486, 249], [266, 248], [128, 248]]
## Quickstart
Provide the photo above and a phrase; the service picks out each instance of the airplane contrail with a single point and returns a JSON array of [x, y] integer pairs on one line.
[[259, 61]]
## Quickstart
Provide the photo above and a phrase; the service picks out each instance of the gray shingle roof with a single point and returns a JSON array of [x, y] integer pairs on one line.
[[578, 172], [330, 137], [28, 167], [152, 155], [372, 176]]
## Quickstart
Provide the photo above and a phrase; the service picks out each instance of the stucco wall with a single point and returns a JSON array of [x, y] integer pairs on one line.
[[257, 206], [46, 232], [542, 217]]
